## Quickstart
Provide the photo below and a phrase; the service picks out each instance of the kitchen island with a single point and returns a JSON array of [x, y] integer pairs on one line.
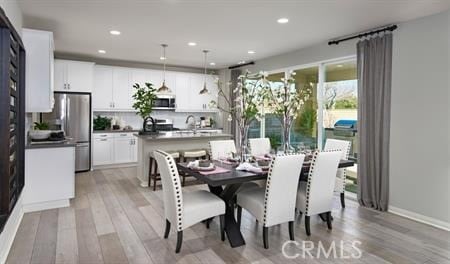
[[170, 141]]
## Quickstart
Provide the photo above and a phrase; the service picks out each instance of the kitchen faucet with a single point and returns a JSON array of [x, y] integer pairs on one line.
[[195, 122]]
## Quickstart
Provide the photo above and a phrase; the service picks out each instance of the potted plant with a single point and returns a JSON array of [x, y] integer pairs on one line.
[[245, 108], [144, 98], [40, 131], [285, 102], [102, 123]]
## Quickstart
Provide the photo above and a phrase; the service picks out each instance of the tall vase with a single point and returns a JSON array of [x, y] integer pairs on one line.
[[243, 143], [287, 148]]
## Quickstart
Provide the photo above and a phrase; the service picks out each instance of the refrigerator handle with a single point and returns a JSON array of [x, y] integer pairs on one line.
[[67, 115]]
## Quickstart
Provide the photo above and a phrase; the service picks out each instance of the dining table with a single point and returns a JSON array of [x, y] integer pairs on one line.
[[227, 180]]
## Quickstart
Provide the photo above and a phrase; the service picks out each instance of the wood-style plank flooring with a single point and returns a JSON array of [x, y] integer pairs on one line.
[[114, 220]]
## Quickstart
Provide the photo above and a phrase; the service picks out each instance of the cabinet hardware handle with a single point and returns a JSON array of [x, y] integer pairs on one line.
[[103, 135], [103, 139], [123, 135]]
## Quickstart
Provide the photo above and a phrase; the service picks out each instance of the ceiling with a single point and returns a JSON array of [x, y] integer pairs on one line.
[[228, 28]]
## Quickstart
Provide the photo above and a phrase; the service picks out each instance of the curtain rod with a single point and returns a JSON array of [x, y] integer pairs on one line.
[[240, 65], [362, 34]]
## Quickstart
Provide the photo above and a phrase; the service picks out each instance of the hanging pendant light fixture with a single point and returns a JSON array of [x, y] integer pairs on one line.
[[204, 90], [164, 88]]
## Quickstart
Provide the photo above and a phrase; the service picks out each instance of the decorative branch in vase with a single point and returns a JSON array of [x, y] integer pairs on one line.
[[144, 98], [286, 102], [244, 108]]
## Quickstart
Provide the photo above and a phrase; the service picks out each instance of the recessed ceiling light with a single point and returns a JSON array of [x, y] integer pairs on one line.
[[192, 44], [251, 52], [212, 63], [283, 20], [162, 58], [339, 65], [114, 32], [102, 51]]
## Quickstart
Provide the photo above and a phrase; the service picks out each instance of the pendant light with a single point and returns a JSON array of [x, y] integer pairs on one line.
[[164, 88], [204, 90]]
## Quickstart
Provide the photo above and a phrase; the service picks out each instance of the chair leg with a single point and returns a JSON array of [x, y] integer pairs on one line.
[[307, 225], [342, 200], [150, 172], [329, 220], [166, 233], [265, 240], [207, 222], [179, 241], [155, 176], [291, 230], [239, 216], [222, 227]]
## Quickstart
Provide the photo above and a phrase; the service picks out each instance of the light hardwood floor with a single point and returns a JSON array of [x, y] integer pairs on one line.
[[113, 220]]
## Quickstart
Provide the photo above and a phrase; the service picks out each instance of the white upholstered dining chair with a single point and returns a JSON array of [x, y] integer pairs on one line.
[[221, 148], [184, 209], [344, 146], [316, 195], [274, 204], [259, 146]]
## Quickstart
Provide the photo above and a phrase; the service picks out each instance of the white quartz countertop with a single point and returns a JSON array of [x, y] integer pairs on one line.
[[183, 136]]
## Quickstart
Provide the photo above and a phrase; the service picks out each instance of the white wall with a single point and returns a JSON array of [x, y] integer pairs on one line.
[[419, 156], [419, 165], [14, 14]]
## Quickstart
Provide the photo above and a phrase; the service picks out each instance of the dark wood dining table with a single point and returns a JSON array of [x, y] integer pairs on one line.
[[225, 185]]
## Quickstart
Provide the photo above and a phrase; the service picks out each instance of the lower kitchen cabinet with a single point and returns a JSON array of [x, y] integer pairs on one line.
[[114, 148]]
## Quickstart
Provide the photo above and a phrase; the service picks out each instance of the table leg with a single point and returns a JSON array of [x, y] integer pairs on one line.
[[234, 234]]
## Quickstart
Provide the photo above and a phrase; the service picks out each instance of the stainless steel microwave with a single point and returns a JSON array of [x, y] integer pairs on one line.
[[164, 102]]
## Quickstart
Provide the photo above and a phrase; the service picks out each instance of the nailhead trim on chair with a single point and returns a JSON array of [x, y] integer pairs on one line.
[[179, 204], [311, 171]]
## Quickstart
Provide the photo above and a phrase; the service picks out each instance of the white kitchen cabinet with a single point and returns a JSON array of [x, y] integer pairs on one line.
[[103, 149], [122, 89], [49, 178], [73, 76], [39, 70], [114, 148], [102, 97], [183, 93]]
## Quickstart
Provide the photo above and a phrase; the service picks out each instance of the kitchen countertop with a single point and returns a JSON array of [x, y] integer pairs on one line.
[[182, 136], [116, 131], [66, 144]]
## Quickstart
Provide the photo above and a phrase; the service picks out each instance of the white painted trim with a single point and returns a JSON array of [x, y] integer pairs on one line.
[[46, 205], [10, 230], [420, 218]]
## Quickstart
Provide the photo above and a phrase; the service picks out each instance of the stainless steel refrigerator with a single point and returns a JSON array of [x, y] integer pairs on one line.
[[72, 114]]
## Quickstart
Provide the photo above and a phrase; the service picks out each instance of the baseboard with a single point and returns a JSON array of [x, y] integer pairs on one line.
[[114, 166], [420, 218], [45, 205], [10, 230]]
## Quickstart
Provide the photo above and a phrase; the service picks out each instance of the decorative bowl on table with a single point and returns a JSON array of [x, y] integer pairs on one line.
[[204, 163], [211, 167], [263, 163]]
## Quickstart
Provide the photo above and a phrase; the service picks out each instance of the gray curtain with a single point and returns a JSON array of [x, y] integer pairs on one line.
[[374, 64], [234, 80]]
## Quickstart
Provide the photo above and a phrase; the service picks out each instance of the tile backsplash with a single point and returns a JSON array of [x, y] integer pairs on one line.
[[179, 119]]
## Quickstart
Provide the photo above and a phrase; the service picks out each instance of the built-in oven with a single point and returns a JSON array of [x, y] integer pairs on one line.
[[164, 102]]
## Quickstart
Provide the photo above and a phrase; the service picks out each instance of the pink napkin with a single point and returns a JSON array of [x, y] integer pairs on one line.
[[262, 157], [217, 170]]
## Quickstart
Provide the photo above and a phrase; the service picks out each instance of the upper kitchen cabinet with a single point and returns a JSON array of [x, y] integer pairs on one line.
[[39, 70], [122, 88], [102, 97], [112, 89], [73, 76], [189, 98]]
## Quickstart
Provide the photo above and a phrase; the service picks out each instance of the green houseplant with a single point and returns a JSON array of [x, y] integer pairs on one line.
[[41, 126], [144, 98], [102, 122]]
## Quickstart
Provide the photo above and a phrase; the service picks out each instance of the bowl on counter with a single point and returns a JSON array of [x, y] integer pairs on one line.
[[39, 134]]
